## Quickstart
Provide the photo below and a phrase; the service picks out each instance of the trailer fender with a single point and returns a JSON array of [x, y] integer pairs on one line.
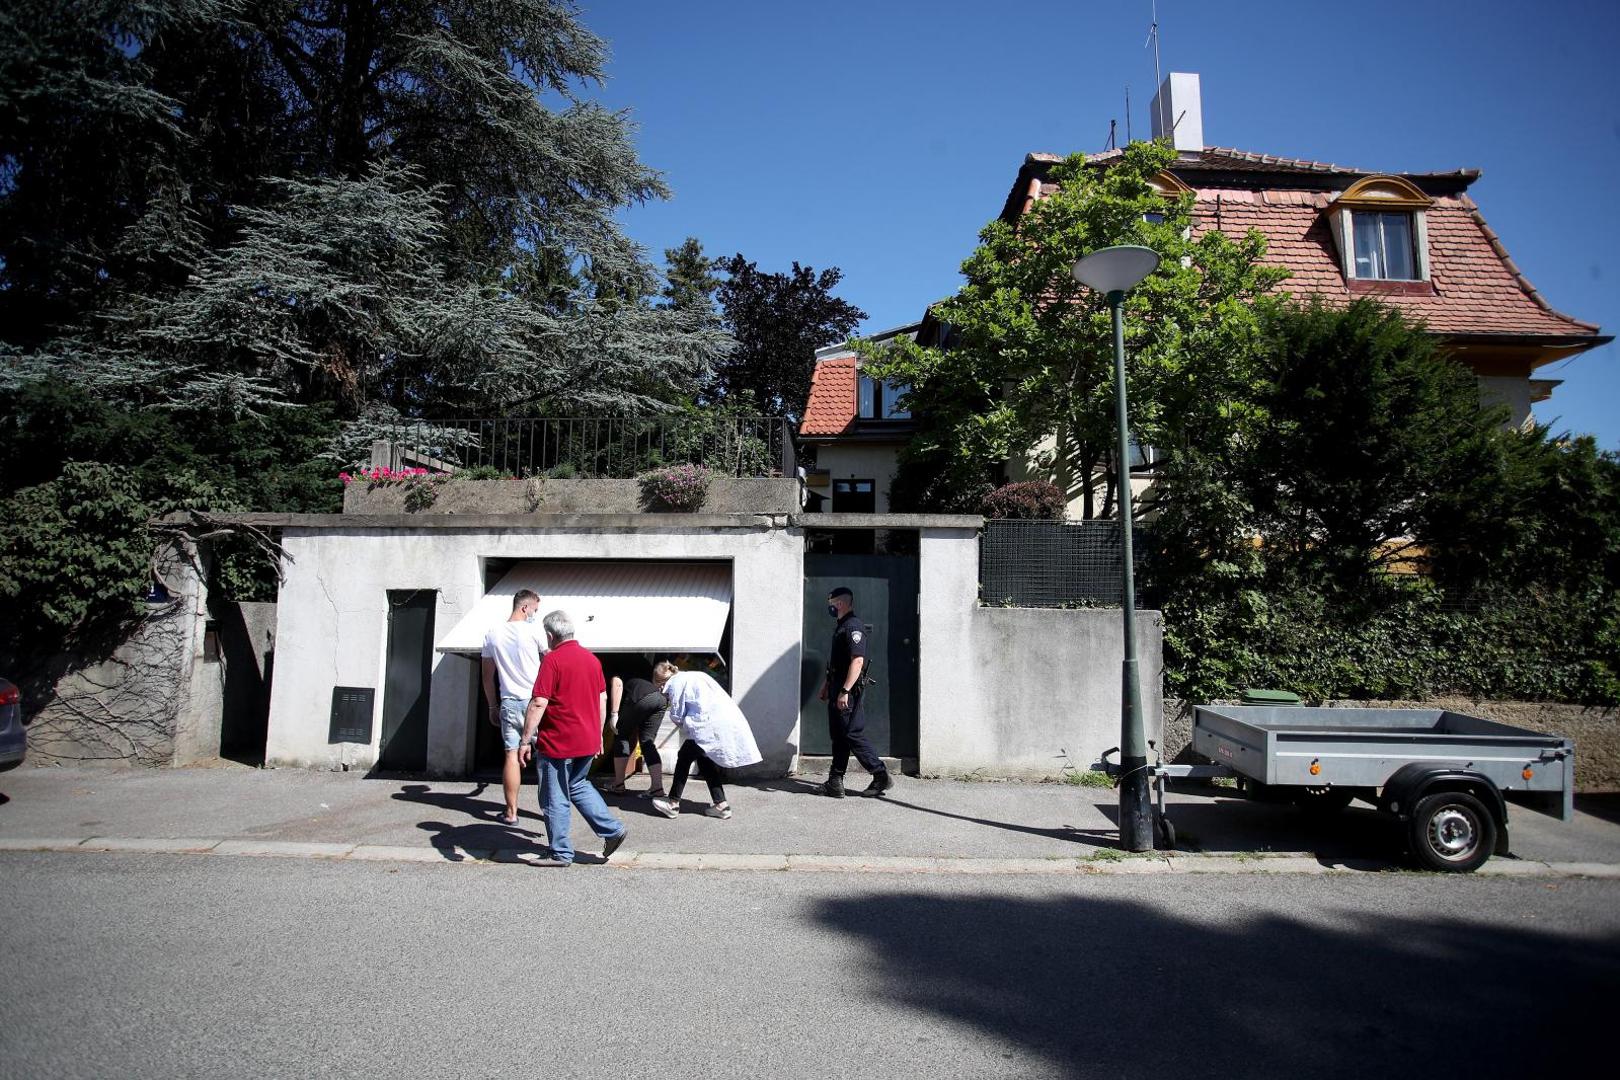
[[1410, 783]]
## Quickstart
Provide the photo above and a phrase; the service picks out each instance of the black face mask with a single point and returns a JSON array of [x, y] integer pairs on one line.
[[832, 609]]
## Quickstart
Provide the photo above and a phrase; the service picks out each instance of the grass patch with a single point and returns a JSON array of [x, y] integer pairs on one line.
[[1088, 778]]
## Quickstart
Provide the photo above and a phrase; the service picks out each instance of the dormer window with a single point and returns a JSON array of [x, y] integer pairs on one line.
[[1168, 187], [1383, 245], [1380, 224], [879, 400]]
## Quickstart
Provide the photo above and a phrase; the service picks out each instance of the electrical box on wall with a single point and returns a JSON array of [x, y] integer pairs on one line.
[[352, 708]]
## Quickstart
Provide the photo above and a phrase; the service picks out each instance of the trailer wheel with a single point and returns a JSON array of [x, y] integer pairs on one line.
[[1452, 831], [1323, 800]]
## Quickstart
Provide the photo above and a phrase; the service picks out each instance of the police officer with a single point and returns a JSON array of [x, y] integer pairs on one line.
[[846, 723]]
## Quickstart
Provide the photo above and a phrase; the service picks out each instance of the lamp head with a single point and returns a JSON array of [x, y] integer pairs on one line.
[[1115, 269]]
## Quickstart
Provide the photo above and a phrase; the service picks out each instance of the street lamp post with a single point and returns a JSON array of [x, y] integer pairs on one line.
[[1112, 271]]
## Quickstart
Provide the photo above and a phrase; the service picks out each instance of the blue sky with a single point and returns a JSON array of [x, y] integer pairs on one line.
[[879, 137]]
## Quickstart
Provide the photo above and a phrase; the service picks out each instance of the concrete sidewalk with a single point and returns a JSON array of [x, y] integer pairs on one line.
[[921, 826]]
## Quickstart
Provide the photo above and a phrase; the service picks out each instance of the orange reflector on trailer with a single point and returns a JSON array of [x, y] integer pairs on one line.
[[1316, 767], [1528, 772]]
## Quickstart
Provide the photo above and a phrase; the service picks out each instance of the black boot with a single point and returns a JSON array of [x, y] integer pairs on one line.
[[834, 787], [881, 782]]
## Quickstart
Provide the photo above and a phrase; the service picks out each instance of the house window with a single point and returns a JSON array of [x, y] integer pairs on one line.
[[1384, 250], [879, 400], [1154, 217]]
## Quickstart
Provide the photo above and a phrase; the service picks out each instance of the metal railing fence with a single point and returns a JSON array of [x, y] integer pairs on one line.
[[601, 448]]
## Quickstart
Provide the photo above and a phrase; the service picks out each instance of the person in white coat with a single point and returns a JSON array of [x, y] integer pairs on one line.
[[717, 736]]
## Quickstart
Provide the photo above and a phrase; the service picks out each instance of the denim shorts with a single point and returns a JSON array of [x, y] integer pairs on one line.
[[512, 713]]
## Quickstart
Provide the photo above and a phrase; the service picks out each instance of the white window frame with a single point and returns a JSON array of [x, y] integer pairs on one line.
[[1344, 235]]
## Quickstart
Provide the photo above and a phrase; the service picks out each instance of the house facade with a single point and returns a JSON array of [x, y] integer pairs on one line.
[[855, 426], [1417, 241]]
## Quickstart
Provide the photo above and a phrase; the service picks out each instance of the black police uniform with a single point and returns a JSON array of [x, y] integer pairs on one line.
[[848, 728]]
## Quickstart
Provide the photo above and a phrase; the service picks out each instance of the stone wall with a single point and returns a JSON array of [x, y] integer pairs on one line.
[[726, 495], [147, 703], [1596, 731]]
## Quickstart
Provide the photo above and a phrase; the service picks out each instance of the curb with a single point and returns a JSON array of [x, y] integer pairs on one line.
[[1112, 864]]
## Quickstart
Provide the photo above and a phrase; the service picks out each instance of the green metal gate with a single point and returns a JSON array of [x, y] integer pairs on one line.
[[885, 588], [406, 681]]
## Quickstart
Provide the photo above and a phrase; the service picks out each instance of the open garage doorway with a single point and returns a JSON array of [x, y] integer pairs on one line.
[[630, 613]]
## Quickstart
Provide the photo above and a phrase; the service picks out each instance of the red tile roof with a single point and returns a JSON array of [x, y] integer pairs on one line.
[[1230, 159], [831, 408], [1477, 289]]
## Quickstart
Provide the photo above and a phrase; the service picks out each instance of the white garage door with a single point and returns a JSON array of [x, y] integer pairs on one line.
[[616, 606]]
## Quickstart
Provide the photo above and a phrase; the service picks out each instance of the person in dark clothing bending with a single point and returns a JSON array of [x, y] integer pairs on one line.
[[846, 722], [636, 708]]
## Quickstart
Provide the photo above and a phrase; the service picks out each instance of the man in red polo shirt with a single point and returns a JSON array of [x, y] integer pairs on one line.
[[567, 712]]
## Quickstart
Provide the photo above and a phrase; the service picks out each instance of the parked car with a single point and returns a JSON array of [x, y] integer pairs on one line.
[[13, 737]]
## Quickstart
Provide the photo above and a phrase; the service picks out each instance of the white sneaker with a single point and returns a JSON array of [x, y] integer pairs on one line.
[[722, 810], [668, 807]]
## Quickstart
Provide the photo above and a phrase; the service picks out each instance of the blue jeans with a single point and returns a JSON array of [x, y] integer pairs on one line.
[[564, 784]]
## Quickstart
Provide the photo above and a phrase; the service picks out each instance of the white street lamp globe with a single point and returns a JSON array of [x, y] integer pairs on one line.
[[1115, 269]]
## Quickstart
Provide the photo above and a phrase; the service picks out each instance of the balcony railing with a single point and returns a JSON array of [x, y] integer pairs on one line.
[[602, 448]]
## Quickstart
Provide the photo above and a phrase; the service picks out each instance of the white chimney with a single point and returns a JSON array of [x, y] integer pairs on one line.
[[1176, 108]]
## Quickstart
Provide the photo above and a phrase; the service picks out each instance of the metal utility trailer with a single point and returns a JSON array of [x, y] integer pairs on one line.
[[1446, 775]]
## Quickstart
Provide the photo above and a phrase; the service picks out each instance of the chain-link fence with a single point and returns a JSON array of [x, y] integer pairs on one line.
[[1052, 564]]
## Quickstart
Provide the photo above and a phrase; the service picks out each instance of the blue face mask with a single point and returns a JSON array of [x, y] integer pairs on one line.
[[533, 617]]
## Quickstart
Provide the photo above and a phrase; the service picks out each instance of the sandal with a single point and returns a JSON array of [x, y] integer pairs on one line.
[[616, 788]]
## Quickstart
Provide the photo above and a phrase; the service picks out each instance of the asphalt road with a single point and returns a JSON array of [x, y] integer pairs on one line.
[[206, 966]]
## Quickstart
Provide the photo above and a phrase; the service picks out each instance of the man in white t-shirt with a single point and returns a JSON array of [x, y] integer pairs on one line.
[[512, 652]]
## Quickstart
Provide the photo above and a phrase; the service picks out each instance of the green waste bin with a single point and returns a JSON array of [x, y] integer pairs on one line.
[[1253, 696]]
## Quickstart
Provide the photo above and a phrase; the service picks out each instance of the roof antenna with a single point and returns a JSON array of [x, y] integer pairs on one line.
[[1111, 123], [1127, 112], [1158, 76]]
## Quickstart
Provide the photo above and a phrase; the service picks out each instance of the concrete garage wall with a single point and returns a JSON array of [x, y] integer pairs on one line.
[[332, 625], [1011, 691]]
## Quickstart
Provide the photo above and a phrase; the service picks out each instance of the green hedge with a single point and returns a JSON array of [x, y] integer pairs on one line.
[[1531, 646]]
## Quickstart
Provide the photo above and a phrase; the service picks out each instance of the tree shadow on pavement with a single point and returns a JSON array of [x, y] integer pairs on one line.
[[1114, 987]]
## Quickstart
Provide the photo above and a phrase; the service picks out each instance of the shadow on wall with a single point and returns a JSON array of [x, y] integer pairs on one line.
[[1274, 997], [771, 705]]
